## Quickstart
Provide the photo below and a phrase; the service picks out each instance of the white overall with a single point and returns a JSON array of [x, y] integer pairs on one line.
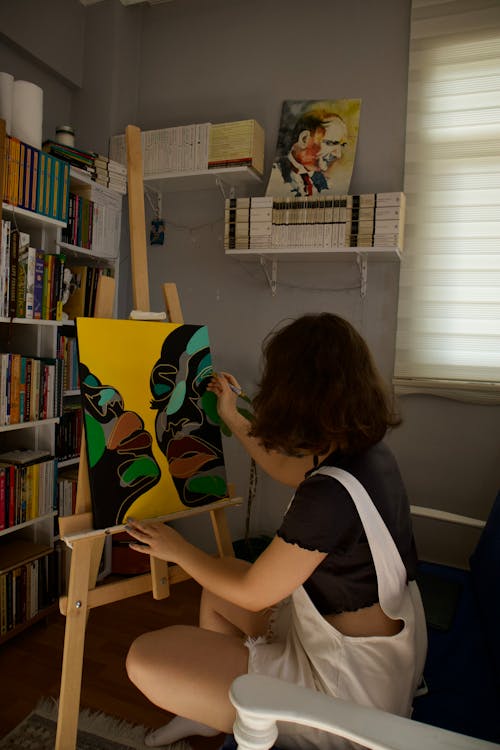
[[380, 671]]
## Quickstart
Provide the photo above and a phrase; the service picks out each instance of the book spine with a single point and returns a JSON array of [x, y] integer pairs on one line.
[[30, 281], [40, 185], [27, 389], [2, 498]]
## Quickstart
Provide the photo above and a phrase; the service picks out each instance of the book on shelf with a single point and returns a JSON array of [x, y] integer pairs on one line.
[[33, 179], [3, 160], [237, 144], [181, 148], [106, 219], [28, 588], [372, 220], [77, 157]]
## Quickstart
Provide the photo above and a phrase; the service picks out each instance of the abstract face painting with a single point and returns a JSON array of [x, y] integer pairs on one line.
[[152, 431], [187, 430]]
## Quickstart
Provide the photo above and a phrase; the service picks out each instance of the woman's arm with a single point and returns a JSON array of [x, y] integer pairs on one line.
[[288, 470], [275, 574]]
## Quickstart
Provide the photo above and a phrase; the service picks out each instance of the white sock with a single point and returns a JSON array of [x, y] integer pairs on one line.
[[177, 729]]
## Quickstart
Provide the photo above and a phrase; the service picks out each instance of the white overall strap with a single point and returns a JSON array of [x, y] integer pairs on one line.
[[391, 572]]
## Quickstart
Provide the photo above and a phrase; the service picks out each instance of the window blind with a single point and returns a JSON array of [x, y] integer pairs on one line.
[[448, 335]]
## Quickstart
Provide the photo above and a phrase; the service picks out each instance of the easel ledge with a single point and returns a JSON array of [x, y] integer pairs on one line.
[[68, 536]]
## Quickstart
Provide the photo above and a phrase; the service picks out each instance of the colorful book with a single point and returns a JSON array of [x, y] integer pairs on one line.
[[38, 285]]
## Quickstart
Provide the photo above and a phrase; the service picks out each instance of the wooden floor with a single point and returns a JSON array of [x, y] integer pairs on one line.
[[30, 664]]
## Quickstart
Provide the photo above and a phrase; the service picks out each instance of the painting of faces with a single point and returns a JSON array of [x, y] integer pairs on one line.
[[152, 430], [316, 148]]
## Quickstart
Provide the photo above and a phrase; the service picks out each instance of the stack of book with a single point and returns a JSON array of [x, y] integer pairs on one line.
[[237, 144], [197, 147], [27, 485], [83, 160], [106, 219], [33, 179], [248, 223], [111, 174], [375, 219], [99, 168], [330, 221], [31, 281], [31, 388], [177, 149]]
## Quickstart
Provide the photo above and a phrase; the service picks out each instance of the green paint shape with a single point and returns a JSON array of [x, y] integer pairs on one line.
[[160, 389], [198, 340], [106, 395], [209, 406], [91, 380], [141, 467], [96, 441], [215, 486], [177, 397]]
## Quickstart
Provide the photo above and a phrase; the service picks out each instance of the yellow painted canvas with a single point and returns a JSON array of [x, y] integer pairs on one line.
[[152, 430]]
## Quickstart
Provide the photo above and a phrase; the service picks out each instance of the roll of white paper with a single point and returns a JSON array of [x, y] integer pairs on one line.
[[27, 113], [6, 94]]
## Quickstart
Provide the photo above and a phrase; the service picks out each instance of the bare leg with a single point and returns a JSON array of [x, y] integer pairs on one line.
[[216, 615], [188, 671]]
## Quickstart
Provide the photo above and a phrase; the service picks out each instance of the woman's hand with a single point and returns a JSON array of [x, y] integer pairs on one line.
[[221, 384], [157, 539]]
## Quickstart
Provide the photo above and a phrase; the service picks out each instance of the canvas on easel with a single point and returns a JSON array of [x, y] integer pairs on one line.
[[152, 430]]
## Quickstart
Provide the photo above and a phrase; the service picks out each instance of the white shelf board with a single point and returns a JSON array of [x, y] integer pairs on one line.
[[79, 176], [25, 524], [68, 462], [317, 253], [26, 425], [203, 179], [83, 252], [31, 218], [31, 321]]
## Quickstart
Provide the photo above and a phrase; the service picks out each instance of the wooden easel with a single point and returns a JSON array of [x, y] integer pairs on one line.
[[87, 543]]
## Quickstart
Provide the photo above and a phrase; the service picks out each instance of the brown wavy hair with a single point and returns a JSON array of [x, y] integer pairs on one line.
[[320, 387]]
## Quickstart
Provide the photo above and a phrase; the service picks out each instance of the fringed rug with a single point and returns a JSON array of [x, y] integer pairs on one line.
[[96, 731]]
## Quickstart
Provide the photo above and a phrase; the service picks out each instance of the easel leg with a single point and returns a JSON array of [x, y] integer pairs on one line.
[[83, 569]]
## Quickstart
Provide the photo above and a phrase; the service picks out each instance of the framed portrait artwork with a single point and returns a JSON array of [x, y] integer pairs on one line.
[[316, 148]]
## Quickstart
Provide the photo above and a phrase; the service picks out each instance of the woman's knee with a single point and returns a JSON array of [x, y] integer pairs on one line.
[[143, 654]]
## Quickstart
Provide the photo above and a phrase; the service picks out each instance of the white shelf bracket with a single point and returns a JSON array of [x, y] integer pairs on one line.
[[225, 188], [362, 262], [155, 200], [272, 279]]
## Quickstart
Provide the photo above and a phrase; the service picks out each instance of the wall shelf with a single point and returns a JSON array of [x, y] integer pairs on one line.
[[30, 218], [203, 179], [324, 254], [270, 257]]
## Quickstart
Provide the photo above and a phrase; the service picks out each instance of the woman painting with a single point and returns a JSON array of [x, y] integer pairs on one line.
[[331, 603]]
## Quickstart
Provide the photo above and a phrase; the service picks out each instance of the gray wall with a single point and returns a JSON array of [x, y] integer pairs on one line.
[[193, 61]]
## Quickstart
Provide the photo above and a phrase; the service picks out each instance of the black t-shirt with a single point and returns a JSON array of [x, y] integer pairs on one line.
[[322, 516]]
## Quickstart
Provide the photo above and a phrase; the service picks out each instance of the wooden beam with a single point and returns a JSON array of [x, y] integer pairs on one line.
[[137, 219]]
